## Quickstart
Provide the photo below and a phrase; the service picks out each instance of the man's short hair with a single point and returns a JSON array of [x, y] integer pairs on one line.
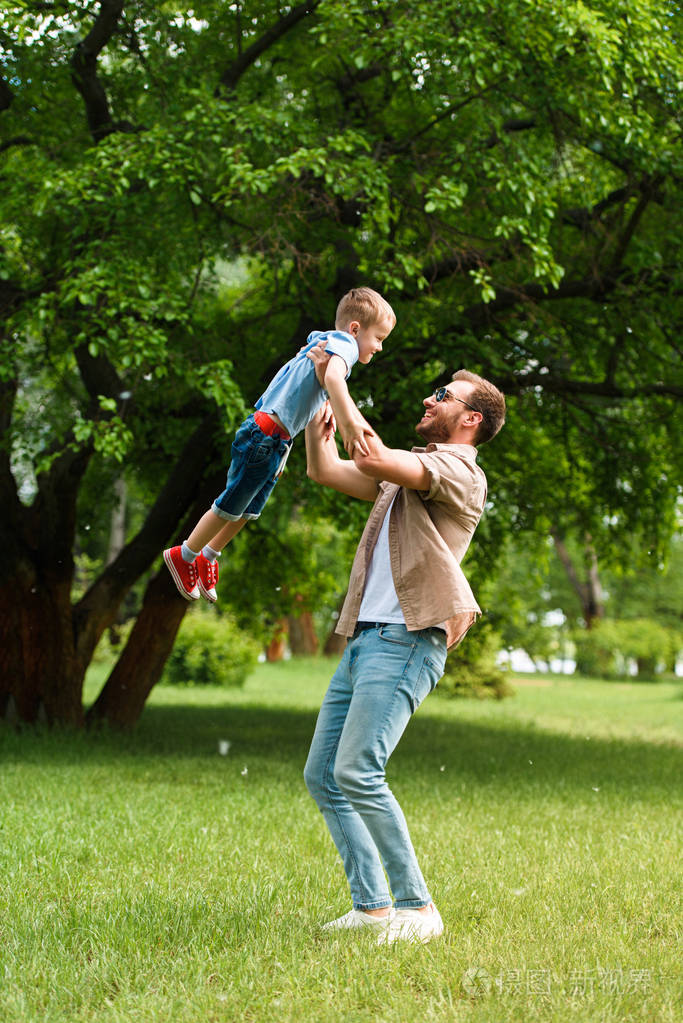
[[366, 306], [488, 400]]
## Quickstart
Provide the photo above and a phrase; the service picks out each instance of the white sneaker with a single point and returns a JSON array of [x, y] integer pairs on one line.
[[356, 918], [412, 925]]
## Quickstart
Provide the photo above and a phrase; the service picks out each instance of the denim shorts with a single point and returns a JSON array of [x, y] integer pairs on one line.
[[254, 470]]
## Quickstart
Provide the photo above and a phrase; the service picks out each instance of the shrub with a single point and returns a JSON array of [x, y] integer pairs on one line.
[[471, 668], [608, 649], [211, 651]]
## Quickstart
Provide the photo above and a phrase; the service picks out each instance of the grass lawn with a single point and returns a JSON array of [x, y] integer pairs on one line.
[[145, 877]]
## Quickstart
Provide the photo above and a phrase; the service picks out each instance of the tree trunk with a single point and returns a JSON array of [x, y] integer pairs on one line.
[[142, 661], [275, 650], [647, 668], [335, 644], [40, 677], [302, 637], [589, 591], [117, 532]]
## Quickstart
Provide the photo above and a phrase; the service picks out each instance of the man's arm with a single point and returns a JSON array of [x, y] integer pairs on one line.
[[324, 465], [381, 462], [392, 465]]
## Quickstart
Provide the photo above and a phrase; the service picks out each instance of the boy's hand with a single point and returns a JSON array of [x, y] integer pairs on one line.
[[355, 437], [320, 358]]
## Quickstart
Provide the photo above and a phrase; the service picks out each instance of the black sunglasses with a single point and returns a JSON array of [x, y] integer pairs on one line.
[[442, 392]]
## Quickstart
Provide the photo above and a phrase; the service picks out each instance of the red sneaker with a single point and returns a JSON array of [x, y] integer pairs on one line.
[[184, 573], [207, 572]]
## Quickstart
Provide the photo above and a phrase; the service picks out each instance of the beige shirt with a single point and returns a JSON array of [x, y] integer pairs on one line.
[[429, 532]]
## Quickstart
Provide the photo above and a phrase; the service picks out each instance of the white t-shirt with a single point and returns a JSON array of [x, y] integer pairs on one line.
[[380, 600]]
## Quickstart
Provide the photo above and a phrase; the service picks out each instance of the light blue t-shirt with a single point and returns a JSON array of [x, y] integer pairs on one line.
[[294, 394]]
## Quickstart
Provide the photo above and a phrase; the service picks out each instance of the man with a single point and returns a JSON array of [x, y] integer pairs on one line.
[[407, 601]]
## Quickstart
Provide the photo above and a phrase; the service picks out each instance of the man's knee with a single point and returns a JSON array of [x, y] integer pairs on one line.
[[350, 780], [313, 780]]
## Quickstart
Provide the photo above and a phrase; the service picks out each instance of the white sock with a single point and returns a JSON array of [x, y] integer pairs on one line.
[[209, 553], [188, 555]]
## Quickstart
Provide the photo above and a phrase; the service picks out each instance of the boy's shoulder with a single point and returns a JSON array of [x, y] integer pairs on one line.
[[330, 335], [337, 342]]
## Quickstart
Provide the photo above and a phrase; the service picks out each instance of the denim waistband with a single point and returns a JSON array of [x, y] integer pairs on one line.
[[362, 626]]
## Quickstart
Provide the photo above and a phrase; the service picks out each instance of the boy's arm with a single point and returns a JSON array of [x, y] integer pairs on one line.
[[324, 465], [352, 426], [392, 465]]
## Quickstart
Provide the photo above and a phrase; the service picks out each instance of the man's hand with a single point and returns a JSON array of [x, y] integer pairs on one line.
[[320, 358], [329, 422], [323, 426]]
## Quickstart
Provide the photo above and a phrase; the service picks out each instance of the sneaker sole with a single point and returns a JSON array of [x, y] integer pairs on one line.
[[205, 593], [410, 935], [176, 578]]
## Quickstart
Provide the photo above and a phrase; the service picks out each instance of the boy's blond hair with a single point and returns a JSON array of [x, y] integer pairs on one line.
[[366, 306]]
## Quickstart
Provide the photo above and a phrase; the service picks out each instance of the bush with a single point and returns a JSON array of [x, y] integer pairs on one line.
[[211, 651], [610, 647], [471, 668]]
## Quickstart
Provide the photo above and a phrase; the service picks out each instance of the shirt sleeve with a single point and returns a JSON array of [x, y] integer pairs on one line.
[[345, 346], [453, 481]]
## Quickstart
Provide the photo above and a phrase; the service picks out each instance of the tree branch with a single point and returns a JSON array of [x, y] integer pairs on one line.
[[513, 125], [98, 374], [634, 220], [18, 140], [9, 497], [6, 95], [587, 287], [452, 109], [581, 217], [84, 69], [234, 72]]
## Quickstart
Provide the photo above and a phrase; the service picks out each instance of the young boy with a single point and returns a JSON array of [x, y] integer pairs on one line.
[[262, 443]]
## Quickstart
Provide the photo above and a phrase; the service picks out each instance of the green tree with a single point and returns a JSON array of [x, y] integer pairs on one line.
[[184, 195], [537, 607]]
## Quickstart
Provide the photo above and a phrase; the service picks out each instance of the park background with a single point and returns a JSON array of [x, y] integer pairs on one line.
[[186, 193]]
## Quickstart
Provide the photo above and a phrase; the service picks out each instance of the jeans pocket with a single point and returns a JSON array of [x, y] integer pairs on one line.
[[396, 634], [426, 681], [242, 439], [262, 453]]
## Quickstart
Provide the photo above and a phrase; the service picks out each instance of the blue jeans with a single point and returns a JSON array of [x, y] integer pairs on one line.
[[383, 677], [254, 470]]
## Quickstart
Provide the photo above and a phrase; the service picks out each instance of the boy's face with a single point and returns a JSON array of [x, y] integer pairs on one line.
[[370, 338]]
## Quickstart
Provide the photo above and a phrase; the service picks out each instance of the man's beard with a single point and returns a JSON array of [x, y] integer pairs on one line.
[[434, 431]]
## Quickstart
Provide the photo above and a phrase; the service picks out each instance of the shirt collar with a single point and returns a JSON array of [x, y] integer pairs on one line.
[[466, 451]]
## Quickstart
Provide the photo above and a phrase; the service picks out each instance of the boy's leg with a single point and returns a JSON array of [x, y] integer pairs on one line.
[[224, 535], [209, 527], [254, 459]]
